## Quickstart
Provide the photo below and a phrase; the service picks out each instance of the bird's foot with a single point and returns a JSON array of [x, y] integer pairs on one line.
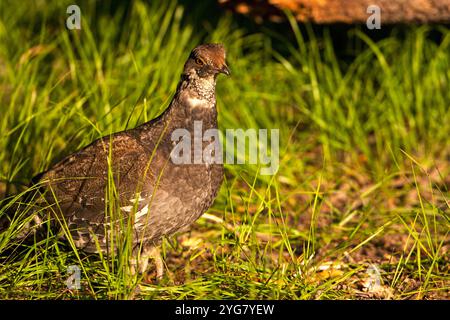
[[140, 262], [156, 255]]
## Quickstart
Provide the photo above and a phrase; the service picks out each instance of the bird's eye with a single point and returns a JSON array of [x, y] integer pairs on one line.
[[199, 61]]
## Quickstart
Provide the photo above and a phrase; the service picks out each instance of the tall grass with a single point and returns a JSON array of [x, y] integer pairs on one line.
[[346, 128]]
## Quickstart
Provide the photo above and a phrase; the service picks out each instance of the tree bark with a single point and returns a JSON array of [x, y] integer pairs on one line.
[[345, 11]]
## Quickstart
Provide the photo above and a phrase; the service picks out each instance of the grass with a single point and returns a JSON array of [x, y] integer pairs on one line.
[[363, 182]]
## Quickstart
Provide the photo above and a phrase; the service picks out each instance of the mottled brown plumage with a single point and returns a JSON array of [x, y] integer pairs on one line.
[[156, 196]]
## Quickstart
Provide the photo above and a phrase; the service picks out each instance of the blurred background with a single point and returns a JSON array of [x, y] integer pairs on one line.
[[364, 128]]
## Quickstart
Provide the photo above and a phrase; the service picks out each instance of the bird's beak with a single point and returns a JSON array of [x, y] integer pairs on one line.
[[225, 69]]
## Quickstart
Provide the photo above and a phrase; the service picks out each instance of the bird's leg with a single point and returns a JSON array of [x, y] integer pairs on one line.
[[155, 254], [140, 262]]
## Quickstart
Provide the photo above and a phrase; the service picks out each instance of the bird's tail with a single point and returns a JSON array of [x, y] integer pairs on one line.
[[19, 219]]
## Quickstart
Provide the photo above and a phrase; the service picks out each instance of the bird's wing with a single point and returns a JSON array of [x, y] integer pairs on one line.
[[82, 185]]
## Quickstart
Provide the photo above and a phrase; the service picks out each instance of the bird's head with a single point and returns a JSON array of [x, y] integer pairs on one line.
[[207, 61]]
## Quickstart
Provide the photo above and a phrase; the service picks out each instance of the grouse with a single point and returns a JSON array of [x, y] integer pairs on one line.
[[157, 196]]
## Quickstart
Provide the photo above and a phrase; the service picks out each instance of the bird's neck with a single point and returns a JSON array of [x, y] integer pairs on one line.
[[198, 88], [194, 100]]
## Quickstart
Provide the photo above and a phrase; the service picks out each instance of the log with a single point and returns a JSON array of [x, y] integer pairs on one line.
[[344, 11]]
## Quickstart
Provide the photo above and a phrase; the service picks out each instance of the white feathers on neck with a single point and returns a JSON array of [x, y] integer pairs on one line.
[[199, 103]]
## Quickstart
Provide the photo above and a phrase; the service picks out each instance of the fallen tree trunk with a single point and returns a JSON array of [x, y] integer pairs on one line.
[[345, 11]]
